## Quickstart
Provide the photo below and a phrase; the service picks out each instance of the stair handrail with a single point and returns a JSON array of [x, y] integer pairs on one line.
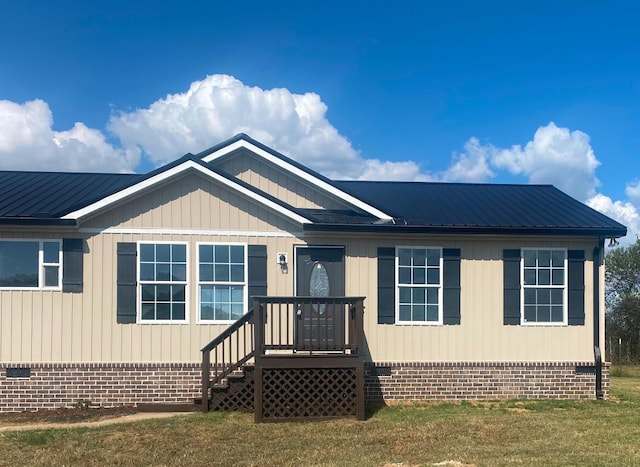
[[231, 366]]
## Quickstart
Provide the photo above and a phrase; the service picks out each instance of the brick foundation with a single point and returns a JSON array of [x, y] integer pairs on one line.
[[455, 381], [54, 385]]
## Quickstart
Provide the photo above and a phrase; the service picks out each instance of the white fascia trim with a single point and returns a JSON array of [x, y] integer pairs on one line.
[[298, 172], [207, 232], [167, 174]]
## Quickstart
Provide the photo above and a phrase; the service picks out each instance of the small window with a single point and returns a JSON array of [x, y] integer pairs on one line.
[[543, 283], [30, 264], [162, 274], [419, 284], [222, 282]]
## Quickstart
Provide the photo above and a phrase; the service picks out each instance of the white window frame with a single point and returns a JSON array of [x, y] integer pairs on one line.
[[141, 283], [398, 286], [564, 287], [41, 264], [200, 283]]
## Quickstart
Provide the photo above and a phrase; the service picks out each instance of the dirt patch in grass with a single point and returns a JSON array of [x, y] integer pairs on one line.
[[65, 415]]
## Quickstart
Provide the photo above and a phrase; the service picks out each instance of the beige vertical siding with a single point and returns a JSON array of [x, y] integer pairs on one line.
[[278, 183]]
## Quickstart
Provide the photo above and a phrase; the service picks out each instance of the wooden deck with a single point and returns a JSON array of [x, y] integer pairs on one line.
[[307, 354]]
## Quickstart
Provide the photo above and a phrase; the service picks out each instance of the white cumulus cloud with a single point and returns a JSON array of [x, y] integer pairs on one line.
[[623, 211], [221, 106], [28, 142], [557, 156], [632, 191], [472, 165]]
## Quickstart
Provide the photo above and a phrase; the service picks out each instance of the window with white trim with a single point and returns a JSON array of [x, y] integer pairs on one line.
[[544, 273], [419, 285], [222, 281], [31, 264], [162, 278]]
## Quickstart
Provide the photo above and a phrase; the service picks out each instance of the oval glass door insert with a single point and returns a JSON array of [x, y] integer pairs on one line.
[[319, 285]]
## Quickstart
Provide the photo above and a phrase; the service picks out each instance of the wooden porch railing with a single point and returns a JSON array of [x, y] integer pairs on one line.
[[285, 326], [310, 325], [230, 350]]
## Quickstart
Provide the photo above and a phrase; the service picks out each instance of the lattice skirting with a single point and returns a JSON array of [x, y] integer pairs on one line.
[[308, 393], [236, 395]]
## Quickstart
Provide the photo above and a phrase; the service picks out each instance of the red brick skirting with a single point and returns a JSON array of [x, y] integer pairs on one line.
[[455, 381], [54, 385]]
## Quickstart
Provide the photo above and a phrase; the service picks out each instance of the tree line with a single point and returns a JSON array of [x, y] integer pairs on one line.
[[622, 295]]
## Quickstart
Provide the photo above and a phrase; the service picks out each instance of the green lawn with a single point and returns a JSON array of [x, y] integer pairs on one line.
[[492, 433]]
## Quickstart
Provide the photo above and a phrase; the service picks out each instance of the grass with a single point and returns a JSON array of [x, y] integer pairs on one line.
[[497, 433]]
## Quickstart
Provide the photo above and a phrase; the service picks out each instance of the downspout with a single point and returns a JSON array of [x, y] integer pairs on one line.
[[597, 262]]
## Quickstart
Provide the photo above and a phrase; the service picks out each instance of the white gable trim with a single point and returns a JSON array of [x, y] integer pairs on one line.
[[167, 174], [321, 184]]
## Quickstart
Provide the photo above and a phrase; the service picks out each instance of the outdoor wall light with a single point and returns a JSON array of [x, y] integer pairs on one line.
[[283, 261]]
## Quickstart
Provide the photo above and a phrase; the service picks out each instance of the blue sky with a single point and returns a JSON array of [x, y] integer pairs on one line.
[[502, 91]]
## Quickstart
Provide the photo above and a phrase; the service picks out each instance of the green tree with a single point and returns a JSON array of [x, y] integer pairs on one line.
[[623, 302]]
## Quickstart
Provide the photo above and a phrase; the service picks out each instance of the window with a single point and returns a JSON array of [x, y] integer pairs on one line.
[[419, 283], [544, 279], [163, 281], [222, 279], [26, 264]]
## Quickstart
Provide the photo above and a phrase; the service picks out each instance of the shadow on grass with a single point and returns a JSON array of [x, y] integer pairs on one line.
[[372, 408]]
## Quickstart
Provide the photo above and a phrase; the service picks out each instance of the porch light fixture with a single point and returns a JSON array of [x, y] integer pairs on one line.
[[283, 260]]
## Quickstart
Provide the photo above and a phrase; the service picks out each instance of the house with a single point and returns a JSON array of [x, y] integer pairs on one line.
[[240, 265]]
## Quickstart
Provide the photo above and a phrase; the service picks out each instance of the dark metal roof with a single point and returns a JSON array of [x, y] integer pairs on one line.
[[339, 216], [49, 195], [42, 198], [487, 208]]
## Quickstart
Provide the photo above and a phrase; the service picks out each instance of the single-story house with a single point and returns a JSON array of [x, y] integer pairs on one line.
[[240, 265]]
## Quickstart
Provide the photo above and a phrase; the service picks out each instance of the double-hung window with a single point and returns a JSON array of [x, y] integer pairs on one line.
[[30, 264], [419, 285], [162, 270], [544, 286], [222, 281]]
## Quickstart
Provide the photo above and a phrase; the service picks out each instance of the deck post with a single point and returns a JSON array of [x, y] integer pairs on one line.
[[359, 322], [258, 329]]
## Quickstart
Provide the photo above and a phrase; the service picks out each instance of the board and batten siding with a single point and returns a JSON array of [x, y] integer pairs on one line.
[[284, 186], [50, 326]]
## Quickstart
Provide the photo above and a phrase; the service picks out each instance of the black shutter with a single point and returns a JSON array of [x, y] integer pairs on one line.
[[386, 285], [126, 283], [576, 287], [257, 271], [511, 278], [72, 249], [451, 286]]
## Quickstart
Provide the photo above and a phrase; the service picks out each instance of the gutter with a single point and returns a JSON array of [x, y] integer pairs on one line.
[[465, 229], [38, 221], [597, 352]]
